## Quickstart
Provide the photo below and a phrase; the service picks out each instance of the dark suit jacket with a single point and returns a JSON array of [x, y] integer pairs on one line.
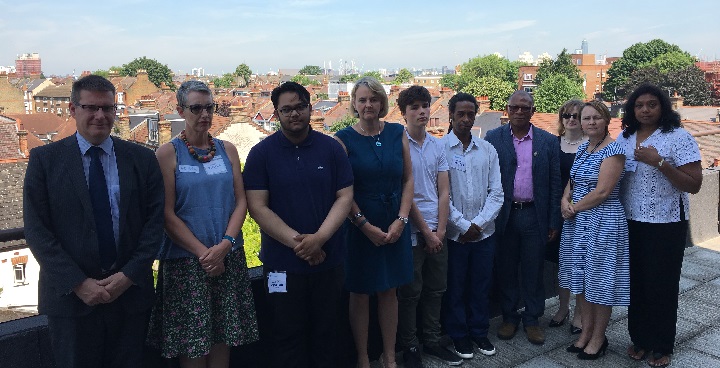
[[545, 172], [60, 226]]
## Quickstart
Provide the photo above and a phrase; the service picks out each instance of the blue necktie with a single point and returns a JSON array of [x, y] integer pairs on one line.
[[101, 209]]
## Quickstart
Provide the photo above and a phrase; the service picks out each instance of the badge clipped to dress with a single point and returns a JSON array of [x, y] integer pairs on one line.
[[277, 282], [188, 169], [458, 162], [215, 166], [630, 165]]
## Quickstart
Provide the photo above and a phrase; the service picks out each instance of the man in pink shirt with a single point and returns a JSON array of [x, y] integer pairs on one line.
[[529, 218]]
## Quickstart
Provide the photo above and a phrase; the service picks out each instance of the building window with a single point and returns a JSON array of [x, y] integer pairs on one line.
[[19, 270], [38, 109], [528, 89], [527, 77], [598, 75], [44, 109]]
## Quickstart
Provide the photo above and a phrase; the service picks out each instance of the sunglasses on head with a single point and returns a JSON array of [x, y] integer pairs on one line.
[[568, 116]]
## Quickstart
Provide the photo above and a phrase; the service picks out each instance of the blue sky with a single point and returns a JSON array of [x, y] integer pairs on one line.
[[268, 35]]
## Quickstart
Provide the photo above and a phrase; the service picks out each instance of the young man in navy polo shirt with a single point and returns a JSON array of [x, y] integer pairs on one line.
[[299, 189]]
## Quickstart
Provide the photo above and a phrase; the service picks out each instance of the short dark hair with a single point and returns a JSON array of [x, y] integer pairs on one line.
[[302, 93], [91, 82], [669, 119], [460, 97], [412, 94]]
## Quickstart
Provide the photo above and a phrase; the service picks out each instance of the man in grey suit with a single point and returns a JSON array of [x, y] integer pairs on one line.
[[93, 211], [530, 215]]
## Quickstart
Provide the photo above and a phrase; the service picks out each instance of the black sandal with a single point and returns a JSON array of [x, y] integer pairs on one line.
[[653, 360], [636, 353]]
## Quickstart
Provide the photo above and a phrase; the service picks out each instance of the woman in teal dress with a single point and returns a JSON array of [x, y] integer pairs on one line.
[[379, 253]]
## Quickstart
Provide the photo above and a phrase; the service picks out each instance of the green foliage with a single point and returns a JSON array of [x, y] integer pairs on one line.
[[322, 96], [243, 71], [450, 81], [487, 66], [498, 91], [403, 76], [688, 82], [103, 73], [349, 78], [225, 81], [304, 80], [672, 61], [375, 74], [310, 70], [251, 236], [635, 57], [157, 72], [345, 122], [562, 65], [555, 90]]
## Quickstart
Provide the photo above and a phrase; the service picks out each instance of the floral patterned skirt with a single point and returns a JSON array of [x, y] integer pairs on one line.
[[193, 311]]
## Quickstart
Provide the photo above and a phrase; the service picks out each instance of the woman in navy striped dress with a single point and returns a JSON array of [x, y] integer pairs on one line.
[[594, 255]]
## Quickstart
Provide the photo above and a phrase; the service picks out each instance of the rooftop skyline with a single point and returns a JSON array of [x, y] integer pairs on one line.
[[218, 36]]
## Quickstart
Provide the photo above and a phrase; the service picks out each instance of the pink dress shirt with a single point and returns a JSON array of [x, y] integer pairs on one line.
[[523, 185]]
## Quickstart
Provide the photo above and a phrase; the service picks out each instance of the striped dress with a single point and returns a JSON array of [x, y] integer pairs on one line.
[[594, 257]]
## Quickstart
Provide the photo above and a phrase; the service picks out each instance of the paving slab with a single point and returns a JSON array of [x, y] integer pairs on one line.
[[689, 357], [707, 342], [699, 272], [705, 257]]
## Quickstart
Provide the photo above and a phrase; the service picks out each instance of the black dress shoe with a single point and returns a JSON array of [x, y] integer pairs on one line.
[[575, 330], [603, 349], [574, 349], [554, 323]]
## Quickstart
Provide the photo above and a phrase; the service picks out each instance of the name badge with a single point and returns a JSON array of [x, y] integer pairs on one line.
[[458, 162], [215, 166], [630, 165], [277, 282], [188, 169]]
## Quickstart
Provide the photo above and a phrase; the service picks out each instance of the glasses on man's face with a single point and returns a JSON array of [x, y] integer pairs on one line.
[[569, 116], [197, 109], [287, 110], [515, 108], [94, 108]]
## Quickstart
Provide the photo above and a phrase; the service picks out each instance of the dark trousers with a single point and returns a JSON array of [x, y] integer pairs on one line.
[[107, 337], [656, 255], [467, 307], [521, 244], [304, 320], [426, 289]]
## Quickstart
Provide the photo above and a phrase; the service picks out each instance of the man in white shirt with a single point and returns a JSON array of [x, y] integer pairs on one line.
[[476, 198]]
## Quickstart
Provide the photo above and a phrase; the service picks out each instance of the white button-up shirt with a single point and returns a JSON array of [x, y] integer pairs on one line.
[[476, 193], [645, 192]]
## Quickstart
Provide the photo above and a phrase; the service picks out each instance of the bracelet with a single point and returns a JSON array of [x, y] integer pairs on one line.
[[362, 223], [357, 215], [230, 238]]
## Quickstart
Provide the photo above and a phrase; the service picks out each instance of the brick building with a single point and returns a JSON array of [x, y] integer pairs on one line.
[[28, 64], [53, 100], [11, 98]]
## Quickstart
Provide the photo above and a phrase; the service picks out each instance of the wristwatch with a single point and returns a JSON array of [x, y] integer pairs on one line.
[[403, 219], [230, 238], [662, 161]]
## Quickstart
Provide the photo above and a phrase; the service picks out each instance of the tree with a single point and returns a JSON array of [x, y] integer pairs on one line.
[[157, 72], [450, 81], [555, 91], [322, 96], [345, 122], [487, 66], [349, 78], [498, 91], [403, 76], [311, 70], [375, 74], [243, 71], [689, 82], [106, 73], [672, 61], [634, 57], [304, 80], [225, 81], [562, 65]]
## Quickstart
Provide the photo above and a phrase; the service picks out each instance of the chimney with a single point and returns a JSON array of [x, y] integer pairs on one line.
[[165, 132], [676, 101], [504, 119], [123, 126], [343, 96], [22, 142]]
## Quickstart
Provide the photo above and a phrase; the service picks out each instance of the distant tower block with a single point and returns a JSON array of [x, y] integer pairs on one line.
[[584, 46]]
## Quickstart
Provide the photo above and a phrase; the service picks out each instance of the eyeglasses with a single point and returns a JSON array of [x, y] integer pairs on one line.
[[94, 108], [197, 109], [569, 116], [287, 111], [515, 108]]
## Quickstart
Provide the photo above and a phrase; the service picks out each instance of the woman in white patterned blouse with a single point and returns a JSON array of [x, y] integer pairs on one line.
[[662, 166]]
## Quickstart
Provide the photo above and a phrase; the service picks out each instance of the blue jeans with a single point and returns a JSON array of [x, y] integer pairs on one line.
[[466, 308], [522, 244]]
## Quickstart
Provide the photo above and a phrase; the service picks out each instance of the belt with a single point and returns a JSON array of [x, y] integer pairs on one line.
[[521, 205]]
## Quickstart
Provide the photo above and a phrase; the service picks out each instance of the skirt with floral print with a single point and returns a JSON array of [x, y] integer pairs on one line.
[[194, 311]]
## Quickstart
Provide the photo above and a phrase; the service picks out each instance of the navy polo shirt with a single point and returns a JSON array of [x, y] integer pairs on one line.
[[302, 181]]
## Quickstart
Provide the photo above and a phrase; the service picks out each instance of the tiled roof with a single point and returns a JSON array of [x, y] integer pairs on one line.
[[11, 190], [9, 146], [55, 91]]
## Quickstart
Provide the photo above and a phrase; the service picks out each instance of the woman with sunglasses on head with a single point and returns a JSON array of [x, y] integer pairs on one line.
[[571, 136], [379, 257], [663, 165], [594, 259], [204, 303]]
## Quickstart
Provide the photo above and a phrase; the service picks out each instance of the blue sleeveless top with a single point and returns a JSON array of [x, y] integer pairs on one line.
[[204, 198]]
